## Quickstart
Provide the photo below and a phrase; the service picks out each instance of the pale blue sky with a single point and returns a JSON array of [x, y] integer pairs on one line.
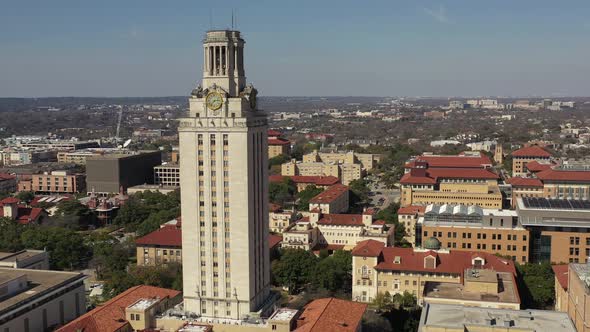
[[337, 47]]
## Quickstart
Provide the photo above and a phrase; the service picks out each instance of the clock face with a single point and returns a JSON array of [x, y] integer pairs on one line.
[[214, 101]]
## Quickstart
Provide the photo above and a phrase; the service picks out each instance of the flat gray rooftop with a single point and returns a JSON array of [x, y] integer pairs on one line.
[[460, 318], [456, 291], [23, 254], [40, 282]]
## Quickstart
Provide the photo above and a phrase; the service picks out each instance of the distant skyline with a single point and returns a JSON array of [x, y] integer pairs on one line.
[[299, 48]]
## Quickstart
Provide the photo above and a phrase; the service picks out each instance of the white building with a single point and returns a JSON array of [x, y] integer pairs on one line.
[[224, 189]]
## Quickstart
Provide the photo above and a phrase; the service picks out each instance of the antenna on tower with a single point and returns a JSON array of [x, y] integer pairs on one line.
[[232, 19]]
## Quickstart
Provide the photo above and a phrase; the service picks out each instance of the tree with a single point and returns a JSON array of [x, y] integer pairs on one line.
[[278, 160], [293, 269], [72, 214], [360, 192], [10, 234], [383, 301], [66, 247], [536, 284], [305, 195], [25, 196], [165, 276], [374, 322], [281, 192]]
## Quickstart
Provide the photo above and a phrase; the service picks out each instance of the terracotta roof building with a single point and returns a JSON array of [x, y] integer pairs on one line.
[[380, 269], [463, 160], [116, 314], [302, 181], [331, 314], [10, 207], [561, 286], [277, 145], [523, 156], [161, 246], [335, 199], [423, 185], [336, 231]]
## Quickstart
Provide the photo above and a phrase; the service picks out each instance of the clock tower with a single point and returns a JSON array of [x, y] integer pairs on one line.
[[224, 189]]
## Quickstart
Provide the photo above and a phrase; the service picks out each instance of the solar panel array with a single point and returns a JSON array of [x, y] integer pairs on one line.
[[549, 203]]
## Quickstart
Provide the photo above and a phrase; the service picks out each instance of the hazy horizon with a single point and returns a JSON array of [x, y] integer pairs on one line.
[[331, 48]]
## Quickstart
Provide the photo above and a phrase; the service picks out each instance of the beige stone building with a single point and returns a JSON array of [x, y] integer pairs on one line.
[[136, 309], [522, 156], [578, 290], [483, 288], [334, 199], [347, 166], [561, 285], [422, 185], [336, 231], [224, 188], [160, 247], [301, 182], [408, 216], [277, 145], [39, 300], [279, 219], [456, 318], [379, 269]]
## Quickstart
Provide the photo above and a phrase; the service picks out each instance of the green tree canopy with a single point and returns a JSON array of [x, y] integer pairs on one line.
[[25, 196], [66, 247], [293, 269], [536, 285], [305, 195], [281, 192]]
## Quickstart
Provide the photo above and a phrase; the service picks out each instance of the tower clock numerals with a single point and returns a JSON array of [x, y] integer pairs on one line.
[[214, 101]]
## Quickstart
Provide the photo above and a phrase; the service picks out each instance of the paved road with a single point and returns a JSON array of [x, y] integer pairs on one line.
[[389, 195]]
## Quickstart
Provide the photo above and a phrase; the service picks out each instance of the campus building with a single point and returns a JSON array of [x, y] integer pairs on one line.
[[379, 269], [559, 228], [39, 300], [462, 227], [456, 318], [277, 145], [107, 174], [521, 157], [224, 189], [423, 185]]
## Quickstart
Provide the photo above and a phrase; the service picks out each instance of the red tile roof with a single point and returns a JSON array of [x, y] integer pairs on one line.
[[5, 176], [434, 174], [564, 175], [341, 219], [274, 133], [24, 215], [561, 273], [278, 141], [169, 235], [330, 195], [110, 316], [459, 161], [368, 248], [10, 200], [317, 180], [274, 207], [411, 209], [274, 240], [531, 151], [331, 314], [525, 182], [535, 166], [447, 262]]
